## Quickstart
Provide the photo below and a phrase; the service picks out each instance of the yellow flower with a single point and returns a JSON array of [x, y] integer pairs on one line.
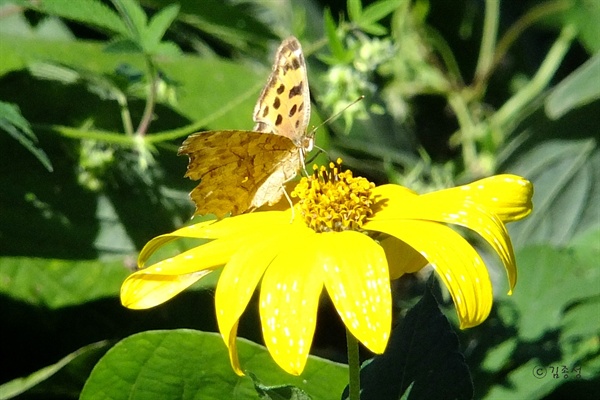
[[345, 235]]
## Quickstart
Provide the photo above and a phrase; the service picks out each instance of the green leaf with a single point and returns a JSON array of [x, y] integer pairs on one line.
[[354, 10], [123, 45], [67, 372], [90, 12], [423, 355], [562, 159], [157, 27], [13, 123], [374, 29], [230, 22], [59, 283], [552, 281], [378, 10], [340, 54], [552, 322], [581, 87], [279, 392], [186, 364], [134, 17]]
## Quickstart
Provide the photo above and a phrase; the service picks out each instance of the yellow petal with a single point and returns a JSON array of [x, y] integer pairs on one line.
[[246, 224], [507, 196], [237, 283], [289, 297], [453, 208], [402, 259], [388, 198], [358, 282], [456, 262], [158, 283], [141, 291]]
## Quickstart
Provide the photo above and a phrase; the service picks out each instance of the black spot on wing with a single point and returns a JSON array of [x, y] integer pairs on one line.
[[296, 90]]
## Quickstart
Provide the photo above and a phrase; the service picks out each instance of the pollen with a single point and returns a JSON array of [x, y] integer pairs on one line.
[[333, 200]]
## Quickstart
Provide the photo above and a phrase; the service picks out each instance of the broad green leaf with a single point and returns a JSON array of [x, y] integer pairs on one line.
[[157, 27], [423, 356], [91, 12], [552, 280], [13, 123], [581, 87], [60, 283], [585, 15], [186, 364], [66, 376], [550, 321], [212, 92], [278, 392]]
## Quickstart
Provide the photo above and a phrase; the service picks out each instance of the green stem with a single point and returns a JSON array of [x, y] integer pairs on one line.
[[354, 367], [150, 101], [513, 108], [533, 16], [467, 131], [489, 35], [125, 115]]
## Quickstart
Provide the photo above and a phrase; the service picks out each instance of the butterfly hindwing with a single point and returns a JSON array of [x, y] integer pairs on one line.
[[239, 170]]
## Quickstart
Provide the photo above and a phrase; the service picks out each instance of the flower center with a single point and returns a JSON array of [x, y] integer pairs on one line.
[[332, 200]]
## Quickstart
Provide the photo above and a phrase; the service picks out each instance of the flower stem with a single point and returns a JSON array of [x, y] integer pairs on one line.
[[488, 40], [354, 367]]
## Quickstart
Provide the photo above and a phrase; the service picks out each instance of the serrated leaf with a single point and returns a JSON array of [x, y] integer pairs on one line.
[[423, 355], [13, 123], [91, 12], [157, 27], [581, 87], [83, 359], [186, 364]]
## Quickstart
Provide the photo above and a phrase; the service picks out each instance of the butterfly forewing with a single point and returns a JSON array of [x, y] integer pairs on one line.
[[283, 107]]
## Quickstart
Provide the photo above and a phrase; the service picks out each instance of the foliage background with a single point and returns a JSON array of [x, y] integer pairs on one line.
[[84, 185]]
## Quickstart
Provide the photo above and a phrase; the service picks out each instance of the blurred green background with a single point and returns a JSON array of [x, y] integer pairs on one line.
[[96, 97]]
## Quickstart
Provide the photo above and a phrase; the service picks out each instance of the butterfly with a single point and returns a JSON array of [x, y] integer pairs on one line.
[[239, 170]]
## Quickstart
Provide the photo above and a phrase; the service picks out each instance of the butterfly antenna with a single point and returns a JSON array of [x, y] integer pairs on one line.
[[336, 115], [314, 157]]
